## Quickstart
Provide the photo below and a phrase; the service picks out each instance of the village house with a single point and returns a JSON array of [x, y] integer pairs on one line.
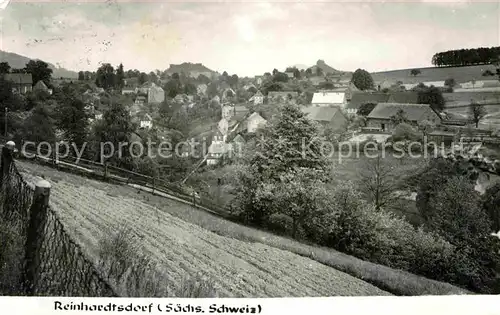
[[140, 100], [254, 122], [223, 126], [438, 84], [328, 99], [328, 117], [21, 82], [201, 89], [257, 98], [409, 86], [386, 84], [227, 111], [290, 75], [237, 144], [480, 84], [228, 94], [237, 117], [129, 90], [249, 86], [361, 98], [316, 81], [443, 137], [380, 116], [259, 80], [348, 89], [146, 122], [156, 94], [282, 97]]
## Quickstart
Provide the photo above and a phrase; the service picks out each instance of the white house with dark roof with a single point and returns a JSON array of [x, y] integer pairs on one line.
[[257, 98], [328, 99], [380, 117], [254, 122], [146, 122]]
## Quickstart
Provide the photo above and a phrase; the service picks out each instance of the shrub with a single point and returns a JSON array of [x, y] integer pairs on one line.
[[280, 223], [357, 228]]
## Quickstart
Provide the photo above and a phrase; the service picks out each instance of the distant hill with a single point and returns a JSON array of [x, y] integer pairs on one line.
[[17, 62], [326, 68], [460, 74], [194, 69]]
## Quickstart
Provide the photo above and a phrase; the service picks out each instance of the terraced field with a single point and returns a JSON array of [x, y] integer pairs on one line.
[[92, 210]]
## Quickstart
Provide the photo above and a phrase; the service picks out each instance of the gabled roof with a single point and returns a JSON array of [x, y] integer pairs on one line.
[[19, 78], [320, 113], [403, 97], [255, 115], [359, 99], [238, 139], [140, 98], [40, 85], [217, 147], [328, 98], [413, 112], [146, 117]]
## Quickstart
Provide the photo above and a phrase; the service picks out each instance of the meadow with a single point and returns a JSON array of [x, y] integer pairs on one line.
[[244, 261], [460, 74]]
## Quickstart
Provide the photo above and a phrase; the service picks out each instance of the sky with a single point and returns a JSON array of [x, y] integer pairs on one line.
[[245, 37]]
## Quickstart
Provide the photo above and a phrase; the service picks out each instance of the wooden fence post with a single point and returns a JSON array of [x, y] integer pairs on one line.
[[7, 160], [34, 237], [194, 199], [153, 192], [105, 170]]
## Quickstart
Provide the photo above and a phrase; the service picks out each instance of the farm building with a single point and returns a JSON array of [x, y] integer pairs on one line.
[[328, 117], [326, 99], [361, 98], [21, 82], [380, 116], [442, 137], [438, 84]]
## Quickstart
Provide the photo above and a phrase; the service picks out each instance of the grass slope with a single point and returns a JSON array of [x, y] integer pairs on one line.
[[394, 281], [460, 74]]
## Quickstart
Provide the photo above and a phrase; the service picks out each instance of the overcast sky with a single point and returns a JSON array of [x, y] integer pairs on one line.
[[246, 38]]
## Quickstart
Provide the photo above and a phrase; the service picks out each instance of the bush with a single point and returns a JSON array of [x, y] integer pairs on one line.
[[357, 228], [280, 223]]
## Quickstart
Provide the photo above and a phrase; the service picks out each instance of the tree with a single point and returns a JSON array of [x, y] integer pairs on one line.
[[233, 81], [491, 205], [105, 76], [81, 76], [362, 79], [280, 77], [477, 112], [73, 121], [296, 74], [143, 78], [120, 76], [450, 83], [366, 109], [377, 182], [7, 98], [212, 90], [4, 67], [39, 126], [287, 144], [173, 87], [415, 72], [39, 71], [115, 127], [456, 215], [432, 96]]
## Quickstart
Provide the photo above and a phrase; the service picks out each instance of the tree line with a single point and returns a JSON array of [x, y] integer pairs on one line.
[[466, 57]]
